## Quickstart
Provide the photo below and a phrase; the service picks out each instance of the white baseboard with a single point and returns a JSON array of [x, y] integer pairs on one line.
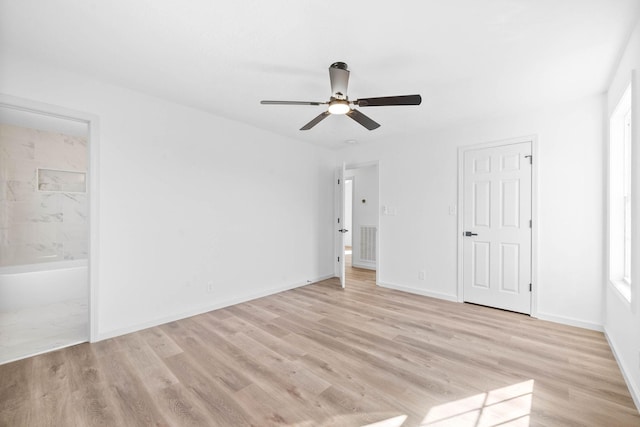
[[204, 309], [634, 389], [423, 292], [569, 321], [365, 266]]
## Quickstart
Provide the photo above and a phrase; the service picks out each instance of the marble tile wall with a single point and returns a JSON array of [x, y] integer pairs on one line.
[[40, 226]]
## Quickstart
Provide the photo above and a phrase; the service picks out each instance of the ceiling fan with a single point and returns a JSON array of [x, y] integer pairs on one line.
[[339, 102]]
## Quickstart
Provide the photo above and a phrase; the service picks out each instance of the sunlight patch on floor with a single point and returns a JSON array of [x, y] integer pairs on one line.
[[507, 406]]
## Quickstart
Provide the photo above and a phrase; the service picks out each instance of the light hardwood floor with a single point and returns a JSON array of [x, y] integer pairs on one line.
[[319, 355]]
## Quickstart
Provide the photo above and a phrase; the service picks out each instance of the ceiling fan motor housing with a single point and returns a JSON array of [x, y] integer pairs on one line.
[[339, 77]]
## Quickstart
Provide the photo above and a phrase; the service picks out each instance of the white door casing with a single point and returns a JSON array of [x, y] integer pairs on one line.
[[339, 225], [93, 142], [497, 189]]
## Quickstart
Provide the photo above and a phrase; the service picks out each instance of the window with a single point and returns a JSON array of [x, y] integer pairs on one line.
[[620, 196], [627, 196]]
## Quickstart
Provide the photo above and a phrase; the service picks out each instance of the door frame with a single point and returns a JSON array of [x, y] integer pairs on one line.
[[92, 122], [533, 139]]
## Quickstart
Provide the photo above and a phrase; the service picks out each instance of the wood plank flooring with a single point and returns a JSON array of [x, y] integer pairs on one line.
[[322, 356]]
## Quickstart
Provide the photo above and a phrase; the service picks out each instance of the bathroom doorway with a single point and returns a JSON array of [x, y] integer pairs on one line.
[[44, 232]]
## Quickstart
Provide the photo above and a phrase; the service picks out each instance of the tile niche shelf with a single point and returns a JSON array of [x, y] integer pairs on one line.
[[62, 181]]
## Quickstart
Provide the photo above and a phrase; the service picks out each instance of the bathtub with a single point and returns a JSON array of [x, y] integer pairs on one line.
[[25, 286]]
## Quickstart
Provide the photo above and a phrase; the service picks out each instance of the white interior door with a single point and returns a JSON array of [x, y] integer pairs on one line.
[[497, 227], [339, 226]]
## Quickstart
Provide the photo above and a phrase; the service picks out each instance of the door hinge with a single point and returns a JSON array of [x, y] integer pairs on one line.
[[338, 181], [530, 222], [338, 259], [530, 158], [530, 287], [338, 220]]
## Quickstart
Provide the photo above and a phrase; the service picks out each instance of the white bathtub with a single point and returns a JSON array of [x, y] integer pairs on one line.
[[25, 286]]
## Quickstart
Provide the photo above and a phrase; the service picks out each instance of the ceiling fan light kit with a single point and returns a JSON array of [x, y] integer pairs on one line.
[[339, 102], [338, 106]]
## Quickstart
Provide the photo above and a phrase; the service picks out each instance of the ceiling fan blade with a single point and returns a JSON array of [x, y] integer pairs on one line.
[[339, 76], [292, 103], [389, 100], [315, 121], [363, 119]]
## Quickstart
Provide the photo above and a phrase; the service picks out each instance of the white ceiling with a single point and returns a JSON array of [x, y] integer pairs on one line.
[[468, 59]]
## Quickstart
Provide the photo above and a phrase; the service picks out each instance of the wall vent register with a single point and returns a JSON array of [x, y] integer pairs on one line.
[[368, 243]]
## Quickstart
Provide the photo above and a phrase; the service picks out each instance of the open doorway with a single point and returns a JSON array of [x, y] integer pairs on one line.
[[348, 221], [44, 232], [361, 219]]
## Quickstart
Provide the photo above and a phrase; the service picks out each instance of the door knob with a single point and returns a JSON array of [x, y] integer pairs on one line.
[[342, 230], [469, 234]]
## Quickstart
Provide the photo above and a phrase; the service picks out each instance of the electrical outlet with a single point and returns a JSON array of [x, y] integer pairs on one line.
[[209, 287], [420, 275]]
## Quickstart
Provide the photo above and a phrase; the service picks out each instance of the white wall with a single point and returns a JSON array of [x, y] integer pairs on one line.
[[187, 198], [622, 320], [418, 179], [365, 187]]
